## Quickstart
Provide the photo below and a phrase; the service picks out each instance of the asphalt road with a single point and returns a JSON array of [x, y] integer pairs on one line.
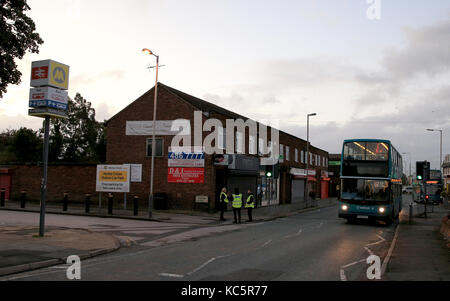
[[314, 245]]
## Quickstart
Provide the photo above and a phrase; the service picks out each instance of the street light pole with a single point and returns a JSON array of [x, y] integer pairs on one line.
[[150, 199], [440, 151], [307, 155]]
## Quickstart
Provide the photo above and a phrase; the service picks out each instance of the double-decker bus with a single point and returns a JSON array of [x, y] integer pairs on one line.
[[371, 173]]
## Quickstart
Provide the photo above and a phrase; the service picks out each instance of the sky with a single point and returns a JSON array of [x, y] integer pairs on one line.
[[387, 77]]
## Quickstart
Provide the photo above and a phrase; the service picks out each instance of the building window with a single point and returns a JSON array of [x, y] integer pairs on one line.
[[287, 153], [159, 147], [239, 143], [310, 159], [281, 153], [296, 155], [252, 145], [302, 157], [318, 157]]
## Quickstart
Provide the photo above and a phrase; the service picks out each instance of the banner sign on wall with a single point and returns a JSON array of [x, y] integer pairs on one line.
[[113, 178], [145, 128], [186, 175], [182, 159]]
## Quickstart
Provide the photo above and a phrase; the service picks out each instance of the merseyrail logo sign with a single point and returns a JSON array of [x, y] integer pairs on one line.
[[49, 73]]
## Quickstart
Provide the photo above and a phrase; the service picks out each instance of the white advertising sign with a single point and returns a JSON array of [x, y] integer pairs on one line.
[[182, 159], [298, 172], [145, 128], [113, 178], [201, 199], [135, 172]]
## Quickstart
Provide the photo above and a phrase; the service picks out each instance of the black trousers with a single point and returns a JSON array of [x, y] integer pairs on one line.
[[237, 214], [223, 208], [249, 212]]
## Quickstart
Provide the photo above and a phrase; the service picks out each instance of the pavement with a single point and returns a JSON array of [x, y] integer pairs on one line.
[[22, 249], [173, 216], [421, 252], [86, 235]]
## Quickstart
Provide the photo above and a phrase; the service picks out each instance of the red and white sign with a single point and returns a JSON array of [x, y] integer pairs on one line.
[[186, 175], [40, 72]]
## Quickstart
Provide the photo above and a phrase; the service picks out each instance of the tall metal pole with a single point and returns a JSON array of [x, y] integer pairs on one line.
[[307, 159], [150, 200], [44, 176], [440, 156]]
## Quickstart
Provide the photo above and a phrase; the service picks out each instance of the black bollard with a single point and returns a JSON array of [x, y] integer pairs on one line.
[[87, 203], [110, 203], [23, 198], [65, 201], [135, 205], [2, 197]]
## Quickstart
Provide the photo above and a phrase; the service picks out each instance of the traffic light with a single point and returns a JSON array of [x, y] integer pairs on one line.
[[427, 197], [423, 170]]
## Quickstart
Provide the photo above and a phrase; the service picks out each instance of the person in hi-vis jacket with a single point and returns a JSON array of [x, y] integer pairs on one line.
[[250, 204]]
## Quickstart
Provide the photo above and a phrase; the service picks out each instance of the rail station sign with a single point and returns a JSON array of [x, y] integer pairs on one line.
[[113, 178], [186, 175], [48, 97], [49, 73]]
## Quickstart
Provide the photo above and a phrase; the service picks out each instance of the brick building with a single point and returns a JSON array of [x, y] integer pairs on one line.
[[129, 141]]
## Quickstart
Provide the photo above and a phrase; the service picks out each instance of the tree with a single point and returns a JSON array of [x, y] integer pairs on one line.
[[79, 137], [17, 37], [27, 145]]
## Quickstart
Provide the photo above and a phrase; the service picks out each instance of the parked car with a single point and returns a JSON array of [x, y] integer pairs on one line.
[[407, 189]]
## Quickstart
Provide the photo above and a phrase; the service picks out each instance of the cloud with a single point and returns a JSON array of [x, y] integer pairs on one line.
[[426, 51]]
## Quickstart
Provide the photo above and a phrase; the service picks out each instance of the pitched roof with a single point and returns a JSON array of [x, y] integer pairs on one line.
[[201, 104], [204, 106]]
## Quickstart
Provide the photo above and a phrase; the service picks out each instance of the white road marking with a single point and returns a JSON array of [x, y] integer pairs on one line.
[[266, 243], [389, 254], [296, 234], [171, 275], [342, 271], [201, 266]]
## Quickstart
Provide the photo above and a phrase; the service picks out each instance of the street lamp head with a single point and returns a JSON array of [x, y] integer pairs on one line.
[[146, 50], [312, 114], [431, 130]]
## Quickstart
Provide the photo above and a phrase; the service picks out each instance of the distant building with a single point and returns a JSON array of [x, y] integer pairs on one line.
[[186, 186], [446, 171], [334, 168]]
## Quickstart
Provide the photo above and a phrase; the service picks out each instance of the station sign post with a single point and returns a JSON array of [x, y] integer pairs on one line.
[[47, 99]]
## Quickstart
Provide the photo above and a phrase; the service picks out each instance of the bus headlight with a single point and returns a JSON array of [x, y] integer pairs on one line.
[[344, 207], [381, 209]]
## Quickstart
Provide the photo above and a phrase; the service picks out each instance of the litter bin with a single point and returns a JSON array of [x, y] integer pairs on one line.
[[161, 201]]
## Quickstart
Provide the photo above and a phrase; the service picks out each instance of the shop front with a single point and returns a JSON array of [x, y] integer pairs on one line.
[[324, 184]]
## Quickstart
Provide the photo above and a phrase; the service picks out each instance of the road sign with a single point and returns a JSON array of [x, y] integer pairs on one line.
[[113, 178], [49, 73]]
